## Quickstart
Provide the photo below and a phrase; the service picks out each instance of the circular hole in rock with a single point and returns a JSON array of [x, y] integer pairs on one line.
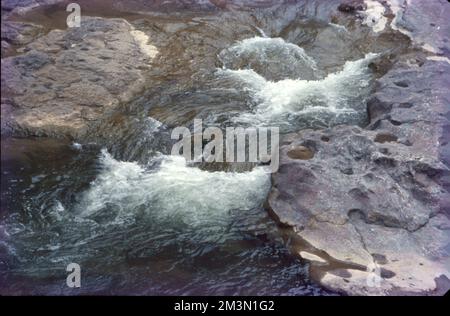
[[300, 152], [394, 122], [387, 274], [402, 84], [385, 137]]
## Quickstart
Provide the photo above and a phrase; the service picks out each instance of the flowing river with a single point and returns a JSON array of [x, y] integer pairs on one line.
[[139, 221]]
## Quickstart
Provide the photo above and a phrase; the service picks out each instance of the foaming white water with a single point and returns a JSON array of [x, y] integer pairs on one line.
[[259, 53], [375, 16], [174, 190], [267, 45], [340, 92]]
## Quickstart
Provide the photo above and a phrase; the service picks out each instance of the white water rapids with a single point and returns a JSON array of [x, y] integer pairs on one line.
[[336, 97], [171, 228], [174, 191]]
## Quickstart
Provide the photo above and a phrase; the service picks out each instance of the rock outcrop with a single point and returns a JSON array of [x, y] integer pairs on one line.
[[370, 208], [66, 80]]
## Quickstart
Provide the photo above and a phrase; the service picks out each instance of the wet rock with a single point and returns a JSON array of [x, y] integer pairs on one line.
[[68, 80], [385, 137], [352, 6], [300, 152], [375, 199], [372, 204]]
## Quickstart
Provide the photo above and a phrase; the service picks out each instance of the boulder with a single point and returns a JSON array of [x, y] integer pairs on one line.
[[374, 203], [68, 80]]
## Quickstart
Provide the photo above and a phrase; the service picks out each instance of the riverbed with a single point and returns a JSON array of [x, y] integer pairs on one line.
[[139, 221]]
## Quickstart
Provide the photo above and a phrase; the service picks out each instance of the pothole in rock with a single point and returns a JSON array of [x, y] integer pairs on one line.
[[300, 152]]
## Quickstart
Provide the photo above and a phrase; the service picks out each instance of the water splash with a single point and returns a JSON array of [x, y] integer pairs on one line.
[[273, 58], [282, 102], [174, 190]]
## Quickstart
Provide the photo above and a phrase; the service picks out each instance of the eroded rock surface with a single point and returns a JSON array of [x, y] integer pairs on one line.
[[371, 207], [426, 22], [68, 79]]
